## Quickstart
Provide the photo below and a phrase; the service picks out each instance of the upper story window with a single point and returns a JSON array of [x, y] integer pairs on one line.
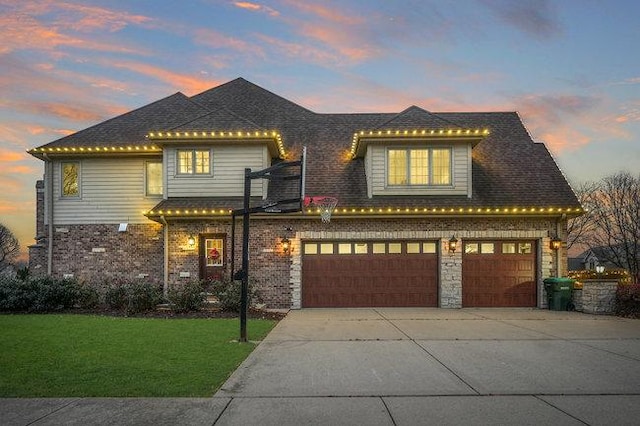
[[419, 166], [70, 179], [194, 162], [153, 178]]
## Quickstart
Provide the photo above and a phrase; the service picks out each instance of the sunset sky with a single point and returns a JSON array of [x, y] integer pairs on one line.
[[571, 68]]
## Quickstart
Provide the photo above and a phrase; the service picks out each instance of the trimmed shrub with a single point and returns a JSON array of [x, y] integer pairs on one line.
[[23, 273], [16, 295], [116, 297], [133, 298], [228, 294], [88, 297], [44, 294], [187, 297], [627, 301]]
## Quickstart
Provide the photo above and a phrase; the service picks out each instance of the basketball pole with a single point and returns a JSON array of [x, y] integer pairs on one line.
[[245, 256], [247, 210]]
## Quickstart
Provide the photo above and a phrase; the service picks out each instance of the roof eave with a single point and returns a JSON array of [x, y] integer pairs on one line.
[[362, 139]]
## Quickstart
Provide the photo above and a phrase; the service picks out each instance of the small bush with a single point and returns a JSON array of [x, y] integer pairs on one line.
[[627, 301], [43, 294], [188, 297], [55, 294], [22, 273], [228, 294], [88, 297], [116, 297], [16, 295], [133, 298]]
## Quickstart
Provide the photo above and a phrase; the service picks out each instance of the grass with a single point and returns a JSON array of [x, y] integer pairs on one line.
[[96, 356]]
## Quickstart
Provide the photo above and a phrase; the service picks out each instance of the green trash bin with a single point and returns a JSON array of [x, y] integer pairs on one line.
[[559, 293]]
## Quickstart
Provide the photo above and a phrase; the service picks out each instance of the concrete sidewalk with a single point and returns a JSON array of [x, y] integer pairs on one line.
[[402, 367]]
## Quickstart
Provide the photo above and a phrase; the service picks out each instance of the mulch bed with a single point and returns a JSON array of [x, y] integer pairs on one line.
[[252, 313]]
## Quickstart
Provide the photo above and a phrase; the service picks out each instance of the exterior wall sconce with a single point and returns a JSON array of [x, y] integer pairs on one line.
[[453, 244], [286, 245], [555, 244], [191, 241], [599, 269]]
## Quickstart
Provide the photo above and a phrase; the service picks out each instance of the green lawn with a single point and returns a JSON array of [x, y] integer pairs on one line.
[[83, 355]]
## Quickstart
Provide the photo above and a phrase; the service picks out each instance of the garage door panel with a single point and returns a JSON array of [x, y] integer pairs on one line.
[[370, 280], [499, 279]]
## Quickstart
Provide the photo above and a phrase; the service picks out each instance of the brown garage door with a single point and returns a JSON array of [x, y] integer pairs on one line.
[[369, 274], [499, 274]]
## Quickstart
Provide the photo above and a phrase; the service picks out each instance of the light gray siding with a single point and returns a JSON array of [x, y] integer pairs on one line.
[[111, 191], [227, 175], [368, 171], [376, 169]]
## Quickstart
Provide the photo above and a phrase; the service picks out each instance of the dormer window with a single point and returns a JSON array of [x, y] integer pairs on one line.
[[419, 166], [194, 162]]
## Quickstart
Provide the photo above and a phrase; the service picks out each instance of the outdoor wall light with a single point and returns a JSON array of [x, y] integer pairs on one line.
[[286, 245], [191, 241], [453, 244], [555, 244], [599, 269]]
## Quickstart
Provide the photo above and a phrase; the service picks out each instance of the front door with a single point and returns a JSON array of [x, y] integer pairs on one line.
[[212, 252]]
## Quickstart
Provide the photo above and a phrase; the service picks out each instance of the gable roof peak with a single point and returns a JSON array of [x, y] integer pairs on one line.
[[414, 108], [415, 117]]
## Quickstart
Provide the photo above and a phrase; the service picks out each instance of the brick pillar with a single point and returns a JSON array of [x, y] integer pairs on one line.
[[38, 251]]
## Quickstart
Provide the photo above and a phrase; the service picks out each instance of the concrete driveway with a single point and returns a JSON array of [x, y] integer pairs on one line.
[[401, 367], [434, 366]]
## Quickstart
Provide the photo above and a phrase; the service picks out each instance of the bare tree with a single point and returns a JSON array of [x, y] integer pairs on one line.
[[616, 218], [9, 247], [580, 229]]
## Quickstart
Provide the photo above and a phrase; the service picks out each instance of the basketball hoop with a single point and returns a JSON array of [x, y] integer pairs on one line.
[[325, 206]]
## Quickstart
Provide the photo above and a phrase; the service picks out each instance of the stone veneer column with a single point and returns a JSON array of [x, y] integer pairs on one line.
[[295, 275], [598, 296], [450, 276]]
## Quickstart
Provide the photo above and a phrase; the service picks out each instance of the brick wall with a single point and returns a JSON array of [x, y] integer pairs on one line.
[[91, 252], [94, 252], [278, 275]]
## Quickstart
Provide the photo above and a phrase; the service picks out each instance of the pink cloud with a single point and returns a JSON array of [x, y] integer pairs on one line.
[[338, 16], [90, 18], [348, 44], [341, 34], [21, 170], [218, 40], [182, 82], [297, 50], [564, 139], [60, 109], [254, 7], [630, 113], [11, 156], [21, 27]]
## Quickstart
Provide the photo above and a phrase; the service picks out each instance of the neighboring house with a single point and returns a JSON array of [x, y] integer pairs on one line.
[[596, 256], [148, 195]]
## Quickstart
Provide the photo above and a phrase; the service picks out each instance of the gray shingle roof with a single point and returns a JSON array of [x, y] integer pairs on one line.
[[133, 126], [509, 168]]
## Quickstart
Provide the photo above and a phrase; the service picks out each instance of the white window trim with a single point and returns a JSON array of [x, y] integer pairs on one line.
[[193, 161], [146, 188], [430, 166], [62, 194]]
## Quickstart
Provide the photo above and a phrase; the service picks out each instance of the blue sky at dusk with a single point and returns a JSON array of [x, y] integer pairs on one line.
[[570, 68]]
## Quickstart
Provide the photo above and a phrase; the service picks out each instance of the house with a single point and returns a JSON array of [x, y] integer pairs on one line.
[[599, 256], [447, 209]]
